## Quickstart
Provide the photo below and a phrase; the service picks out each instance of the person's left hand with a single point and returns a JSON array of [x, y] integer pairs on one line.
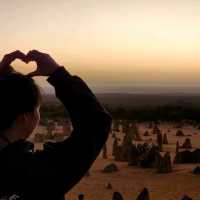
[[5, 66]]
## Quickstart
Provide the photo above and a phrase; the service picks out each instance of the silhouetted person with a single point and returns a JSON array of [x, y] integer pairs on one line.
[[50, 173]]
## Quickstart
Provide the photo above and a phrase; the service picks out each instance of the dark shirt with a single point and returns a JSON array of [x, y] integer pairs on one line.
[[51, 173]]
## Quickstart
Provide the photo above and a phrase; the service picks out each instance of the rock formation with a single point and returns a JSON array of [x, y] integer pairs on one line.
[[164, 164], [144, 195], [180, 133], [165, 139], [187, 144], [117, 196], [187, 157], [156, 130], [160, 141], [146, 133], [109, 186], [110, 168], [186, 198], [196, 170], [81, 197], [177, 147]]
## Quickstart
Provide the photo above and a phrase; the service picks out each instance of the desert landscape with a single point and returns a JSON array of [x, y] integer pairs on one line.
[[147, 148], [141, 60], [130, 180]]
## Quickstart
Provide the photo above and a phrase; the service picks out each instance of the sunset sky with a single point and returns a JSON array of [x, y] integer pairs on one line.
[[109, 43]]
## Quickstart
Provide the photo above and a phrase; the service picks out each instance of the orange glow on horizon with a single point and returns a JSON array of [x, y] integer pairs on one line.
[[144, 41]]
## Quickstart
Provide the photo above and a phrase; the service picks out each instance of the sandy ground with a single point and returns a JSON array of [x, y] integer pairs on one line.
[[131, 180]]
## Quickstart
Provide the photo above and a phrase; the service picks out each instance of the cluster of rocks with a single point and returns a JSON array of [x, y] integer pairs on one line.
[[110, 168], [196, 170], [120, 125], [117, 196], [187, 156], [146, 133], [148, 156], [143, 155], [143, 195], [164, 164], [180, 133], [165, 139], [125, 126], [160, 141], [186, 198], [177, 147], [187, 144], [109, 186], [135, 133], [156, 130], [123, 152], [81, 197]]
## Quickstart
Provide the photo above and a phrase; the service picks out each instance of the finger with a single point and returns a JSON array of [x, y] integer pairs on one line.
[[32, 74], [15, 54], [34, 55], [8, 58], [18, 55]]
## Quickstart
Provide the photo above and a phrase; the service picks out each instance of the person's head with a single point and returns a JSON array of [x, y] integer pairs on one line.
[[20, 100]]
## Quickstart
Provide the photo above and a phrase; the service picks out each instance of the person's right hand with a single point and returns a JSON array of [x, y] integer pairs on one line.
[[5, 64], [46, 65]]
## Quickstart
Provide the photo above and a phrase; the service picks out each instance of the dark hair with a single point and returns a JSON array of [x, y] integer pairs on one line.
[[19, 94]]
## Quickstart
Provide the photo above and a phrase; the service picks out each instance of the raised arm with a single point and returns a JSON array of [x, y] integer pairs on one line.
[[63, 164]]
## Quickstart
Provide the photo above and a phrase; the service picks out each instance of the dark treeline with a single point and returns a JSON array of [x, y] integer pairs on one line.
[[157, 113], [141, 113]]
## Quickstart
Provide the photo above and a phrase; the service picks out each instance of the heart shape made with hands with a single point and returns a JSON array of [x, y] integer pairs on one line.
[[45, 64], [24, 67], [22, 60]]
